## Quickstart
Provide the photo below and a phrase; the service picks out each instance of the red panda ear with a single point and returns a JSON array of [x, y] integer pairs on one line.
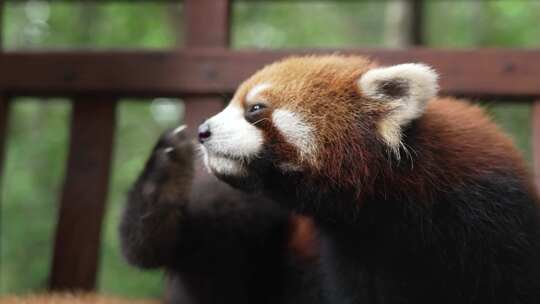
[[408, 87]]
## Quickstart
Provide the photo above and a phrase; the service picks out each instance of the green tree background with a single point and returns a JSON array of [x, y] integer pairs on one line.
[[38, 129]]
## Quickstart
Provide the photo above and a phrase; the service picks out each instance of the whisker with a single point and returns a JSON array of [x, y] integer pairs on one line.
[[220, 141], [258, 121], [199, 151]]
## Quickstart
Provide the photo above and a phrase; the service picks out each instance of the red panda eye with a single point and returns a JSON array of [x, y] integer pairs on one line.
[[256, 108], [254, 112]]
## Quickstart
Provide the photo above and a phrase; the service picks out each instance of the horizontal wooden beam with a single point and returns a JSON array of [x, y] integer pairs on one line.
[[483, 72]]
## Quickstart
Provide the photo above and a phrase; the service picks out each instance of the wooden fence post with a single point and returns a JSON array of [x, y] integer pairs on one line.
[[207, 25], [4, 115], [536, 142], [4, 105], [78, 232]]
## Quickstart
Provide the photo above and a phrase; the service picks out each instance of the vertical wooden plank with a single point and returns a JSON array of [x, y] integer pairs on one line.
[[536, 142], [4, 107], [198, 109], [77, 243], [4, 115], [207, 25]]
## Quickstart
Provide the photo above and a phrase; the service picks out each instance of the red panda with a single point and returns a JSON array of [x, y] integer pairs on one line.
[[418, 199], [216, 244]]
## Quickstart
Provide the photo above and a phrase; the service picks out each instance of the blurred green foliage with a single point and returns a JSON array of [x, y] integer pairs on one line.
[[39, 131]]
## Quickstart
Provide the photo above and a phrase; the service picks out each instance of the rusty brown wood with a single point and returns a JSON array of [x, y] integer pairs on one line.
[[207, 25], [198, 109], [4, 114], [536, 143], [77, 243], [483, 72], [4, 107]]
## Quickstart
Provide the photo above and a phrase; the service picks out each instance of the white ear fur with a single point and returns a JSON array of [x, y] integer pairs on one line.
[[407, 87]]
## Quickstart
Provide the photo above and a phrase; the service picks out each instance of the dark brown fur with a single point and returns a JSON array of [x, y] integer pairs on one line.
[[448, 217], [216, 244]]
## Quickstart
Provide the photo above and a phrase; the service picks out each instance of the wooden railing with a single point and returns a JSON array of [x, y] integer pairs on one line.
[[202, 72]]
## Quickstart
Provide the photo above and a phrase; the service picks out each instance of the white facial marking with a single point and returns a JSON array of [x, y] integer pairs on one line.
[[232, 135], [225, 166], [252, 95], [296, 132], [221, 165], [233, 141]]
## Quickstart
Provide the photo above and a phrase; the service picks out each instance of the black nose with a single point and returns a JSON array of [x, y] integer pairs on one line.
[[204, 132]]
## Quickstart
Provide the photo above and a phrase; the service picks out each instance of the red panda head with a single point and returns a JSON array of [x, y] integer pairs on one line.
[[316, 116]]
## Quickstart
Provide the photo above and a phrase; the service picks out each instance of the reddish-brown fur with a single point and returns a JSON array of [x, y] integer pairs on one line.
[[442, 213], [455, 138], [302, 237], [327, 104]]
